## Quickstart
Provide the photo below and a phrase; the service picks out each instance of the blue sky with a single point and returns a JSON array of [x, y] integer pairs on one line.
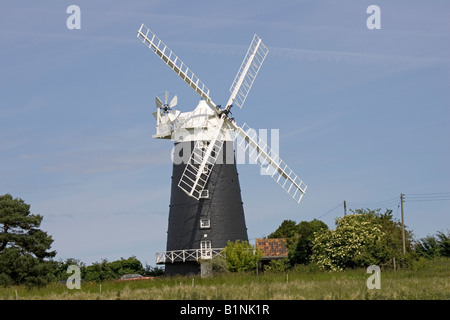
[[363, 114]]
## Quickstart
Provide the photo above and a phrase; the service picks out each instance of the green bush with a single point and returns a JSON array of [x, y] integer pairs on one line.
[[219, 265], [104, 270], [241, 256], [280, 265]]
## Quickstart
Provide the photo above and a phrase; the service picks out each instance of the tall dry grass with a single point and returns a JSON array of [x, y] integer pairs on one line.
[[425, 280]]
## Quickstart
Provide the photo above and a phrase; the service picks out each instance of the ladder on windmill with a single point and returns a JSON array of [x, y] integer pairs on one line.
[[199, 167]]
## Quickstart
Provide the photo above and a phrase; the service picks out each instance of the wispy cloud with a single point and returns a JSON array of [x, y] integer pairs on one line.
[[102, 161], [356, 57], [350, 57], [106, 152]]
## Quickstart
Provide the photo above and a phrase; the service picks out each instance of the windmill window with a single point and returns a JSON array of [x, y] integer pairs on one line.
[[205, 224], [204, 145], [205, 247], [204, 194]]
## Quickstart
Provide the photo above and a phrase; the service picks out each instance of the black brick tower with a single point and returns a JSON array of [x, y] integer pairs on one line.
[[218, 218]]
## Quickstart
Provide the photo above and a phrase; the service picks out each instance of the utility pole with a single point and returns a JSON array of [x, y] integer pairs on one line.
[[345, 208], [403, 225]]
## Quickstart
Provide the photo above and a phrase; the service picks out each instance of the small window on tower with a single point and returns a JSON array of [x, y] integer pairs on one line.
[[205, 224], [204, 194]]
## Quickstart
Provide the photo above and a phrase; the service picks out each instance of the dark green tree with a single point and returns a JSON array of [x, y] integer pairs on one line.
[[299, 238], [19, 229], [23, 246], [434, 246], [19, 268], [62, 266], [105, 270], [125, 266], [287, 229], [300, 250], [150, 271], [444, 244], [99, 271]]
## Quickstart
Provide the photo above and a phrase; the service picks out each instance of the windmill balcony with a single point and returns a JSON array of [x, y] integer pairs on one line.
[[187, 255]]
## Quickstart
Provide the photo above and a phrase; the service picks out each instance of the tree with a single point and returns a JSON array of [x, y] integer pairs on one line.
[[434, 246], [62, 266], [361, 239], [444, 244], [104, 270], [241, 256], [99, 271], [392, 244], [23, 246], [19, 229], [19, 268], [352, 244], [287, 229], [302, 247], [150, 271], [299, 238], [125, 266]]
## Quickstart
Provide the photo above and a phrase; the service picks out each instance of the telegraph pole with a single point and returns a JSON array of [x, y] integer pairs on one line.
[[403, 225], [345, 208]]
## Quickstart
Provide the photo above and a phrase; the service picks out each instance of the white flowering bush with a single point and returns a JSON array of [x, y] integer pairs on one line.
[[357, 241]]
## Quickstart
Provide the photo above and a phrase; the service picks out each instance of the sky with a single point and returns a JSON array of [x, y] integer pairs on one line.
[[363, 114]]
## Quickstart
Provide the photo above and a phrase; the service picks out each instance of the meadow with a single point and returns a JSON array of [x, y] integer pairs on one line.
[[425, 280]]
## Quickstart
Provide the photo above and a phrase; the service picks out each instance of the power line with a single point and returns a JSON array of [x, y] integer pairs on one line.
[[426, 194], [398, 207], [395, 201], [429, 195], [375, 203], [424, 200], [385, 203], [334, 208], [421, 197]]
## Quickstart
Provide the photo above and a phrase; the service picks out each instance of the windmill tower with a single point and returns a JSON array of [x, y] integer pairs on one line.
[[206, 208]]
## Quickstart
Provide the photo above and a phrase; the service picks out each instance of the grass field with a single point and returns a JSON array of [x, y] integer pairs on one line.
[[425, 280]]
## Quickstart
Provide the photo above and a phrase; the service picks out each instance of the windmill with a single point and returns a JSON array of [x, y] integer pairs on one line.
[[206, 209]]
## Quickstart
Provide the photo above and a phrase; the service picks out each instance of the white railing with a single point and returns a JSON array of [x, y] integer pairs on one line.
[[187, 255]]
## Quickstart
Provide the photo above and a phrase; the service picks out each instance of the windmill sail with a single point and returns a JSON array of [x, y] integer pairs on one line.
[[174, 63], [243, 81], [274, 166]]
